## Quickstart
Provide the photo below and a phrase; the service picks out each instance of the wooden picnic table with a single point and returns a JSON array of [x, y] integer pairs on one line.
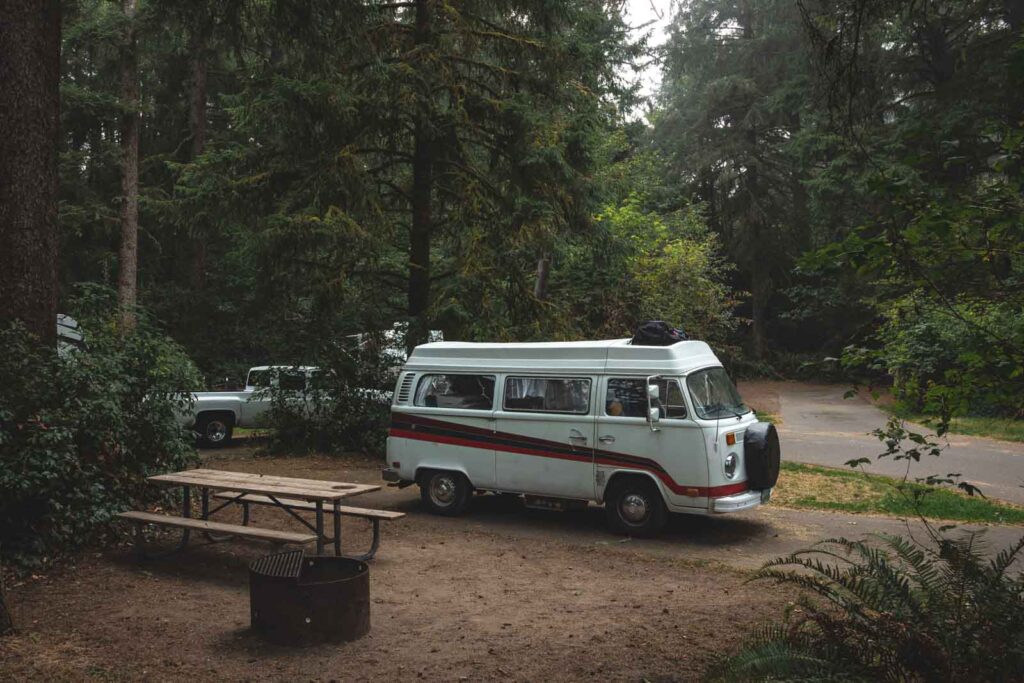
[[287, 493]]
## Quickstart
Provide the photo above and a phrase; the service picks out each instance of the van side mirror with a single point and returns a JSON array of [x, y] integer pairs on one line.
[[653, 402]]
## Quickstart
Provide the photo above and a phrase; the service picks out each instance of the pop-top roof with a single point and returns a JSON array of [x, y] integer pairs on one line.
[[611, 355]]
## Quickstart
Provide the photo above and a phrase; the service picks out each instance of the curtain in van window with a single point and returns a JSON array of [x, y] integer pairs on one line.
[[547, 394], [470, 392]]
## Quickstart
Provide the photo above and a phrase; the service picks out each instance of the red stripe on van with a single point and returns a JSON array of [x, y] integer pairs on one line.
[[601, 458], [470, 443]]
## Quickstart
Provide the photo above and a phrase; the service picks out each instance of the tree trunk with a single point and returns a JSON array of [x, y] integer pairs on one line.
[[757, 234], [422, 190], [128, 256], [197, 124], [760, 293], [6, 622], [540, 288], [29, 125]]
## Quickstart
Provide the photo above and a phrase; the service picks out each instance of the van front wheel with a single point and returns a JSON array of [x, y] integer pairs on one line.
[[445, 492], [634, 506]]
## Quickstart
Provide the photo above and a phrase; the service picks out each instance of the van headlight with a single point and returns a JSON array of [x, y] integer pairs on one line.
[[730, 465]]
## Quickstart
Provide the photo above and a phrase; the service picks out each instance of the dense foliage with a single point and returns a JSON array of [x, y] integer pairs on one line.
[[862, 161], [345, 405], [79, 432], [890, 609], [318, 169]]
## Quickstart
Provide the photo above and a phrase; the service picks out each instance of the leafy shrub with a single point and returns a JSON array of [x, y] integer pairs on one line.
[[346, 404], [670, 267], [894, 610], [79, 434], [959, 357]]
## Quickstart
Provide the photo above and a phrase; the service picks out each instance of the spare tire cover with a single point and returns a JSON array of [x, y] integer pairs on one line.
[[761, 455]]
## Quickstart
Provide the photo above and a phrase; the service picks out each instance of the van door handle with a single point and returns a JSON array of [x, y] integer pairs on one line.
[[607, 438], [577, 435]]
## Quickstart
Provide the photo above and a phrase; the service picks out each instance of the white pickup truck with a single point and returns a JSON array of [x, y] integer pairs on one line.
[[215, 414]]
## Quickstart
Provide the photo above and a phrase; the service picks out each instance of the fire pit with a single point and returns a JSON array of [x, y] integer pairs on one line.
[[296, 599]]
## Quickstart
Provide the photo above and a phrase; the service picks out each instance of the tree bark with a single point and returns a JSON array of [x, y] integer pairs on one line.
[[421, 228], [29, 126], [540, 288], [757, 258], [128, 256], [197, 124], [6, 621]]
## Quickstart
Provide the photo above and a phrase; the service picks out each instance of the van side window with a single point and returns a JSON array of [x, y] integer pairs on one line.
[[469, 392], [627, 397], [547, 395], [673, 403]]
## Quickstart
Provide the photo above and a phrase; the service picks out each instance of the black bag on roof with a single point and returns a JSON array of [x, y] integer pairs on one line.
[[657, 333]]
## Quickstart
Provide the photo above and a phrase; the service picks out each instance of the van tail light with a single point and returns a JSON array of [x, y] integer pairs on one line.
[[396, 464], [730, 439]]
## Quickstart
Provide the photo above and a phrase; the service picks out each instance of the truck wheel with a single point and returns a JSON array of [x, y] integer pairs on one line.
[[445, 492], [215, 430], [634, 506]]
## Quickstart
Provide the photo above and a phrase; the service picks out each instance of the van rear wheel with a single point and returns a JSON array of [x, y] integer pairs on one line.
[[445, 492], [634, 506]]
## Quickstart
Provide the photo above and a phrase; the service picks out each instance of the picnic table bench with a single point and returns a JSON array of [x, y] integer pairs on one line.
[[286, 493]]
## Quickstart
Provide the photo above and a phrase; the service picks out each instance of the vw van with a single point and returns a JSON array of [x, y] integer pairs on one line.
[[643, 430]]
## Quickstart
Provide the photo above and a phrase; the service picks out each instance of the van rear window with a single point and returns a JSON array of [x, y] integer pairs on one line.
[[468, 392], [547, 395]]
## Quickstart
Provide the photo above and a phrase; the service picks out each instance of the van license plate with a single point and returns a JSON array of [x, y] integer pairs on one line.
[[766, 495]]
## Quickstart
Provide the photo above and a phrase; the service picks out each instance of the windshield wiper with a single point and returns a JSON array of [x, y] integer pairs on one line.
[[718, 407]]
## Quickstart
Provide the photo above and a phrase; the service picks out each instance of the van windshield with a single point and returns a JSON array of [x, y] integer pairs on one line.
[[714, 395]]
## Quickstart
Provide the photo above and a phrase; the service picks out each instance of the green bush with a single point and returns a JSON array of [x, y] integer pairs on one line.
[[892, 610], [345, 408], [80, 432], [955, 357]]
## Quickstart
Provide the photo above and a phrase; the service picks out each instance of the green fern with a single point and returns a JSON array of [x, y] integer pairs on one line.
[[891, 609]]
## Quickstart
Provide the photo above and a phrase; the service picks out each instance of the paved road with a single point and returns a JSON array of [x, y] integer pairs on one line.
[[819, 426]]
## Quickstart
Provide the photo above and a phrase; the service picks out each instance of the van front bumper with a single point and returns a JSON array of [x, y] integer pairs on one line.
[[740, 501]]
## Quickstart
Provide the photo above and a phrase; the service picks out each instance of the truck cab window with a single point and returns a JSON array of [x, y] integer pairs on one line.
[[259, 379], [292, 381], [470, 392]]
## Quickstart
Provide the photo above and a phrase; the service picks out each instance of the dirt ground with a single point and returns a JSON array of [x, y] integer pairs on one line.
[[503, 593]]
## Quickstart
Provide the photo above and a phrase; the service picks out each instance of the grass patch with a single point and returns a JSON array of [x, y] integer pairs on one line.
[[825, 488], [250, 433], [767, 417], [1002, 428]]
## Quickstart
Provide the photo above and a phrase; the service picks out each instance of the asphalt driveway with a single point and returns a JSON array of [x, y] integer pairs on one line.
[[819, 426]]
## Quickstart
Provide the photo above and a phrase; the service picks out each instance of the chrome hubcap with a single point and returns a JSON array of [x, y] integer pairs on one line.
[[216, 431], [633, 508], [442, 490]]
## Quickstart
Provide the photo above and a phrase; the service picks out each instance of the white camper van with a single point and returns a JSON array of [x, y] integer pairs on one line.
[[645, 430]]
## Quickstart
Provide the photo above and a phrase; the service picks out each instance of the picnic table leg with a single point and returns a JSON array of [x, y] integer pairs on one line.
[[140, 537], [319, 527], [337, 527], [212, 538], [373, 546], [186, 511]]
